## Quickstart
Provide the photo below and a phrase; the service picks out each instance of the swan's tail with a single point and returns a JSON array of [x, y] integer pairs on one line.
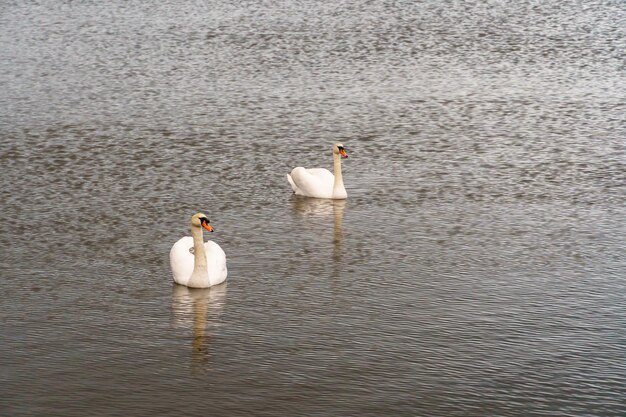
[[293, 184]]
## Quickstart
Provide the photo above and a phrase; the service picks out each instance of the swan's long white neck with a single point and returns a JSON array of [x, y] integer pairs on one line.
[[200, 272], [339, 191]]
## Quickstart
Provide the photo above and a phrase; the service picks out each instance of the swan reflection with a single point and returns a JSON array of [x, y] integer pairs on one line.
[[324, 208], [199, 309]]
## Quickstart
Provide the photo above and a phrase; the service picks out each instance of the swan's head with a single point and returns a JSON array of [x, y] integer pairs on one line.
[[339, 149], [200, 220]]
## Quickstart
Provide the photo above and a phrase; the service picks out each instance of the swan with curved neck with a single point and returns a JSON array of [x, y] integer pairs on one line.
[[195, 263], [320, 182]]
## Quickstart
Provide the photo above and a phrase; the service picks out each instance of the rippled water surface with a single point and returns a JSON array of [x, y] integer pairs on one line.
[[476, 269]]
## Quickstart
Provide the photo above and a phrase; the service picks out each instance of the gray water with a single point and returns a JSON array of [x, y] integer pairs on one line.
[[476, 269]]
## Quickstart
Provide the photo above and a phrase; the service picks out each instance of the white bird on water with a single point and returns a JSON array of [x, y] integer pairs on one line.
[[195, 263], [320, 182]]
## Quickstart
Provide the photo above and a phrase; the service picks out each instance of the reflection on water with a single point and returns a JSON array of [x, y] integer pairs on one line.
[[317, 208], [338, 208], [199, 309]]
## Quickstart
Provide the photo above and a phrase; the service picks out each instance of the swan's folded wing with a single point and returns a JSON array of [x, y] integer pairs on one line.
[[313, 182], [181, 260], [216, 262], [321, 173]]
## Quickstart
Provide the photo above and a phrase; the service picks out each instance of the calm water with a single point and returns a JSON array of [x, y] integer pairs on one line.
[[477, 268]]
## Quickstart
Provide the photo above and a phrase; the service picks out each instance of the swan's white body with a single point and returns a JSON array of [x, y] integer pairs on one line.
[[195, 263], [319, 182]]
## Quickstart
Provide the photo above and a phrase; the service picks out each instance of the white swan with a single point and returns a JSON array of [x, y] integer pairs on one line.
[[195, 263], [320, 182]]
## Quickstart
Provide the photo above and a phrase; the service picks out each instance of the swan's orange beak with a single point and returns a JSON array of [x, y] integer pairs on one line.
[[343, 153], [206, 225]]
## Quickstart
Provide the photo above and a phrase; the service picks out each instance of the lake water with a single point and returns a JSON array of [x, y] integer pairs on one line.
[[476, 269]]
